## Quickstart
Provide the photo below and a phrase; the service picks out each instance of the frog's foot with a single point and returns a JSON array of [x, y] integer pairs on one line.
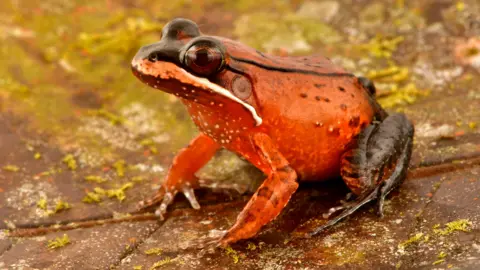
[[181, 175], [375, 167], [345, 203], [165, 196]]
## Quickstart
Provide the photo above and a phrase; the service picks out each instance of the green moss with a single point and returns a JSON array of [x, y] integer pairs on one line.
[[61, 205], [59, 242], [123, 39], [402, 95], [393, 73], [11, 168], [50, 171], [438, 261], [138, 179], [251, 246], [412, 240], [147, 142], [460, 6], [119, 193], [153, 149], [99, 190], [37, 156], [442, 255], [158, 264], [457, 225], [114, 119], [229, 251], [382, 47], [70, 161], [92, 197], [42, 204], [95, 178], [120, 167], [154, 251], [12, 86]]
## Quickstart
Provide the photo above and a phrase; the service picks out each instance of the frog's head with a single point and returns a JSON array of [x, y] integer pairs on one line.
[[196, 68]]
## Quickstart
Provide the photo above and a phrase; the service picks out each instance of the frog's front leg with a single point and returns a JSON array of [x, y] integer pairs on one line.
[[181, 175], [376, 166], [271, 197]]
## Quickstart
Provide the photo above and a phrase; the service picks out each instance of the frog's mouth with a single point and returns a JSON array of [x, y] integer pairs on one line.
[[172, 79]]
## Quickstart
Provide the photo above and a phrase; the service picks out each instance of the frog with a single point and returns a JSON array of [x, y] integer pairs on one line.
[[296, 118]]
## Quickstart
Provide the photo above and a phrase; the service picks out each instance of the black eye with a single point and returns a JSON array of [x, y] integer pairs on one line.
[[153, 57], [204, 59]]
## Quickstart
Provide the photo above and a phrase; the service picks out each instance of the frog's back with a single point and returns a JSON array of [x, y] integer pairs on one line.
[[311, 108], [314, 114], [314, 64]]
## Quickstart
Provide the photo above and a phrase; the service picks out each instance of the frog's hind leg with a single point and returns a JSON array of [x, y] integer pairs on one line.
[[270, 198], [377, 166]]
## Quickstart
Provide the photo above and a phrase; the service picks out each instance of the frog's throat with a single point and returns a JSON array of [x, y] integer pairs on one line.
[[224, 92]]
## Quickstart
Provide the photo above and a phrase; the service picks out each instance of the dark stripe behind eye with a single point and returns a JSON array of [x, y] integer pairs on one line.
[[291, 70]]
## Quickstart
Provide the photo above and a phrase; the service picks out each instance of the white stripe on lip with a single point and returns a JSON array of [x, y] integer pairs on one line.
[[214, 87], [224, 92]]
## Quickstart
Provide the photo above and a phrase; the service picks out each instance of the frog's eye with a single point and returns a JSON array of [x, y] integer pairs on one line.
[[153, 57], [204, 59]]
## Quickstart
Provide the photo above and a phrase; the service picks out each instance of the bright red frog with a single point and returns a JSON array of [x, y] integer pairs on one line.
[[294, 118]]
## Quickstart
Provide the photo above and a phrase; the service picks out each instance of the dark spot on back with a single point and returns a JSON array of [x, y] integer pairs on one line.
[[364, 125], [341, 89], [352, 95], [260, 53], [249, 218], [265, 192], [303, 95], [343, 107], [326, 99], [354, 121], [319, 85]]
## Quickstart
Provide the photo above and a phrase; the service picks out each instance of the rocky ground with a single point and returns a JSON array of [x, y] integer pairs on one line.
[[82, 141]]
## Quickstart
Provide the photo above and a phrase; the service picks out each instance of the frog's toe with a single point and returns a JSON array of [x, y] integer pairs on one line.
[[162, 209], [154, 200], [190, 195]]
